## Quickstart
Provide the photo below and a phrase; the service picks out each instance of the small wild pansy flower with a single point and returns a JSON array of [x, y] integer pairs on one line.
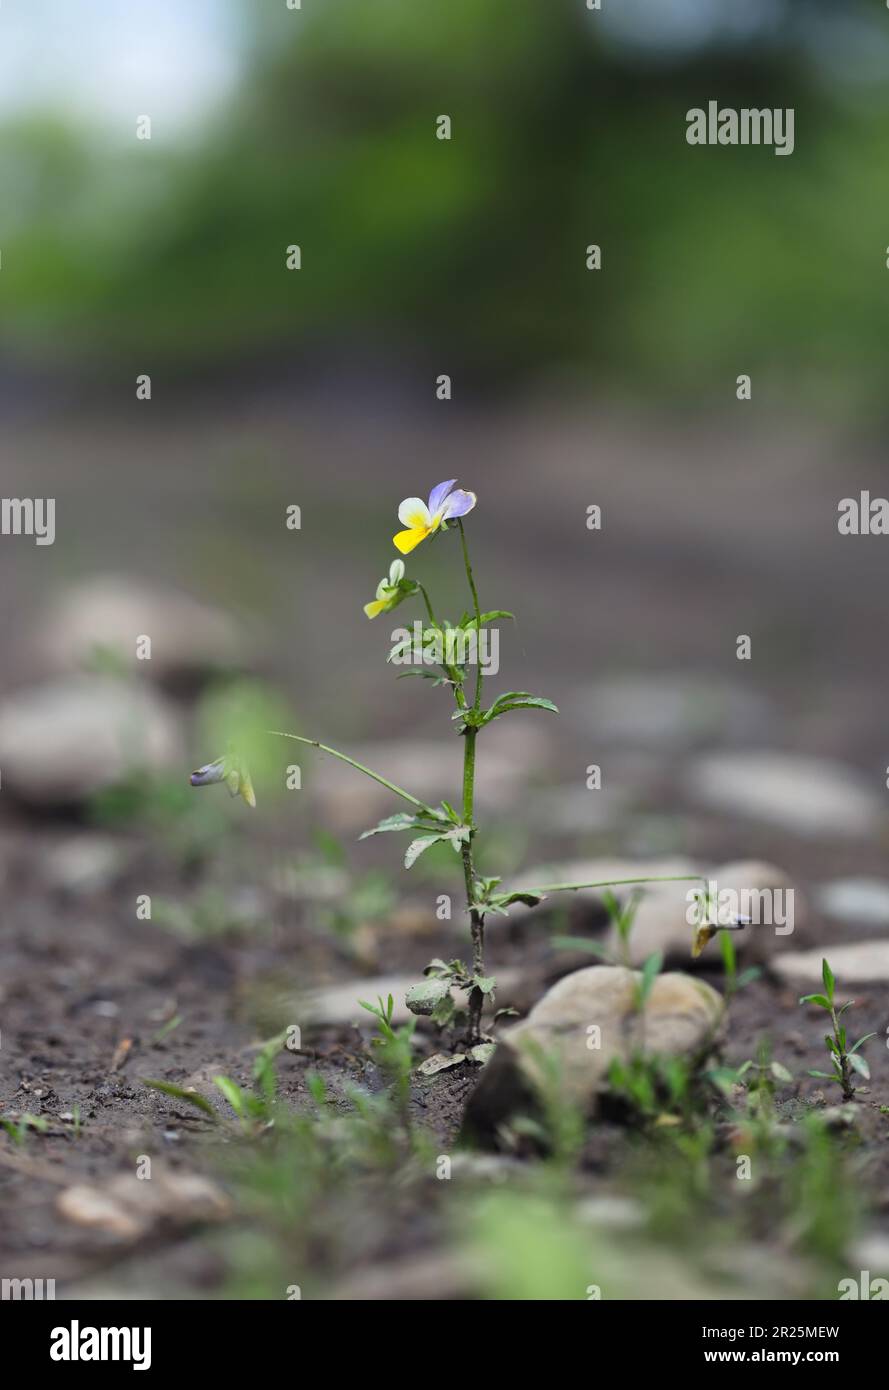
[[390, 592], [422, 520], [428, 824], [232, 772]]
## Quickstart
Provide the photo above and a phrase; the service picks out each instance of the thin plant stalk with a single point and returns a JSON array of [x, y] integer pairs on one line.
[[476, 918], [368, 772]]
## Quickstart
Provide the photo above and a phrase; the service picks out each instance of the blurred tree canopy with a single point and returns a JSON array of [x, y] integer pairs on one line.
[[716, 260]]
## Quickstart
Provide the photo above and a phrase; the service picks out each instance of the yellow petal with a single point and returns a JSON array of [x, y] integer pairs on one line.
[[373, 609], [246, 790], [406, 541]]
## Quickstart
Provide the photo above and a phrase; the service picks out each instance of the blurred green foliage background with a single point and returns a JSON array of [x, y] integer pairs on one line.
[[568, 129]]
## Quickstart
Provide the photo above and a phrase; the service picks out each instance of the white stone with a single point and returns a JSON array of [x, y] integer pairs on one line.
[[65, 740], [807, 796], [106, 614]]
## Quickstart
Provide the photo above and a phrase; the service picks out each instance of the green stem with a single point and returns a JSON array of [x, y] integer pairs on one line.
[[375, 776], [609, 883], [476, 918], [432, 618], [479, 675], [448, 670], [846, 1070]]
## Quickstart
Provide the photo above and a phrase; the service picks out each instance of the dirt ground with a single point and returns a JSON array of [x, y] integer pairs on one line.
[[695, 550]]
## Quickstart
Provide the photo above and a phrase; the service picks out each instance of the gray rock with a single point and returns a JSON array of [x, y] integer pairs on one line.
[[65, 740], [864, 900], [806, 796], [83, 864], [682, 1017], [104, 616], [668, 710], [859, 962], [760, 890], [603, 871], [871, 1252], [128, 1207], [661, 922]]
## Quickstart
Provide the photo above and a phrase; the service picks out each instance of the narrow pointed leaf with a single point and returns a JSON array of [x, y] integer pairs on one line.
[[418, 847], [818, 999]]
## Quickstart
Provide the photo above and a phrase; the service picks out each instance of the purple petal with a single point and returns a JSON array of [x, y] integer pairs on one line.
[[438, 495], [459, 503], [208, 774]]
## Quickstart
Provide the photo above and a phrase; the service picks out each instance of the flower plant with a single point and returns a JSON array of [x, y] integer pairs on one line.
[[427, 825]]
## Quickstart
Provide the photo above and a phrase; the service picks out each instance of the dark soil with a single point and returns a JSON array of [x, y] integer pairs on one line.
[[86, 990]]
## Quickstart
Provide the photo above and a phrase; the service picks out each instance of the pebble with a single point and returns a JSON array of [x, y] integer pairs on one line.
[[809, 797], [105, 616], [63, 741], [683, 1016], [858, 962]]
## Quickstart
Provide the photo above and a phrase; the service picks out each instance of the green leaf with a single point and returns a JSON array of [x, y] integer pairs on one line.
[[485, 983], [469, 719], [828, 978], [190, 1097], [818, 999], [517, 699], [867, 1037], [423, 998], [316, 1087], [529, 899], [457, 837], [505, 1013], [400, 648], [402, 820], [611, 905], [747, 976], [233, 1094], [860, 1064], [780, 1073], [489, 901], [729, 955], [490, 617], [264, 1064], [723, 1077], [650, 972], [440, 1061], [444, 1011], [418, 847], [825, 1075]]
